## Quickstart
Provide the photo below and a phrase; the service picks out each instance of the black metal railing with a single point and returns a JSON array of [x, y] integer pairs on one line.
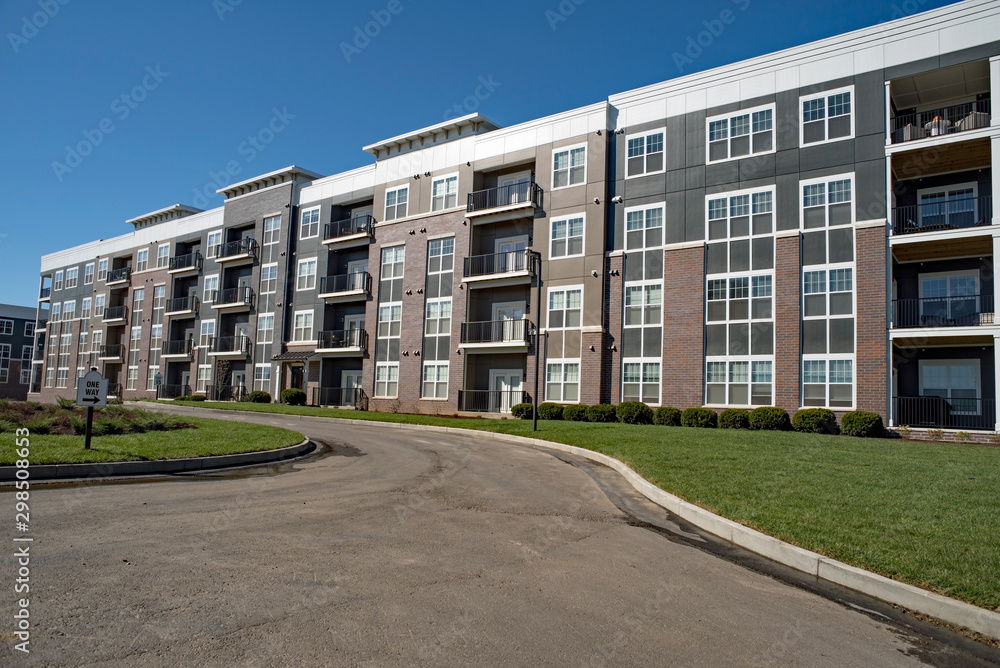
[[490, 401], [357, 281], [235, 249], [342, 338], [230, 344], [227, 392], [345, 397], [494, 198], [116, 313], [233, 296], [941, 121], [182, 304], [959, 311], [349, 227], [497, 263], [182, 347], [946, 215], [114, 390], [119, 275], [189, 261], [45, 293], [112, 351], [953, 413], [495, 331], [174, 391]]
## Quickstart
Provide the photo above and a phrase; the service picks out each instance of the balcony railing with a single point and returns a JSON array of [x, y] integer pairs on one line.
[[182, 347], [503, 196], [342, 338], [112, 351], [227, 392], [346, 397], [959, 311], [946, 215], [941, 121], [490, 401], [115, 313], [119, 275], [497, 263], [495, 331], [355, 282], [182, 262], [114, 390], [348, 227], [230, 345], [174, 391], [937, 412], [46, 293], [240, 296], [182, 304], [243, 248]]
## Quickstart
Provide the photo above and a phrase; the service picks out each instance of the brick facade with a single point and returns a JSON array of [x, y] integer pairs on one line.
[[787, 327], [872, 342], [682, 376]]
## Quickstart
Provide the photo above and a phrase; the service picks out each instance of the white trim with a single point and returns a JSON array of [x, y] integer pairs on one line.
[[645, 134], [298, 269], [562, 383], [942, 190], [312, 326], [569, 151], [826, 94], [302, 215], [662, 206], [826, 181], [583, 235], [729, 136], [444, 197], [748, 192], [562, 288], [385, 203]]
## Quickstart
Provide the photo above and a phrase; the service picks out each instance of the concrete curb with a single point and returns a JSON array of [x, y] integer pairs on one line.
[[156, 466]]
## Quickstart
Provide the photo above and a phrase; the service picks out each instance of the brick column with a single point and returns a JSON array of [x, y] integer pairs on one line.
[[682, 376], [787, 319], [611, 360], [870, 376]]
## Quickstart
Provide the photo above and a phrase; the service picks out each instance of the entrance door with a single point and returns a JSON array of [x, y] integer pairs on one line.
[[361, 217], [514, 188], [239, 384], [356, 274], [242, 336], [185, 381], [508, 322], [350, 381], [506, 389], [510, 254], [297, 377]]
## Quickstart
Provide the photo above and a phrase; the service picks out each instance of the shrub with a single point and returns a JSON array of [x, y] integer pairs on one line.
[[815, 421], [667, 416], [195, 397], [37, 405], [770, 418], [68, 404], [962, 436], [699, 417], [906, 433], [550, 411], [734, 418], [259, 397], [575, 413], [934, 434], [602, 413], [521, 411], [863, 424], [78, 425], [634, 412], [293, 397], [8, 426], [39, 426], [107, 426]]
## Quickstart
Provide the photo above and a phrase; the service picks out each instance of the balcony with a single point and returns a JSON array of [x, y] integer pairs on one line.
[[341, 397], [236, 347], [45, 295], [941, 413], [349, 232], [343, 342], [942, 121], [119, 277], [173, 391], [498, 269], [182, 264], [116, 315], [236, 252], [112, 352], [345, 287], [114, 390], [176, 350], [182, 306], [227, 392], [511, 199], [233, 298], [490, 401], [959, 311], [955, 214], [508, 336]]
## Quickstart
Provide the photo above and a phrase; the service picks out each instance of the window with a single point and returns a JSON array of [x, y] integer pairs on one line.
[[50, 375], [644, 227], [57, 282], [84, 347], [567, 237], [303, 326], [153, 360], [948, 208], [265, 328], [562, 381], [99, 306], [72, 276], [102, 269], [162, 255], [159, 303], [957, 381], [69, 310], [268, 279], [645, 154], [387, 380], [828, 383], [438, 317], [309, 227], [142, 262], [739, 382], [444, 193], [435, 380], [62, 377], [6, 327], [389, 317], [569, 167], [55, 312], [307, 275], [947, 298], [207, 333], [204, 376], [262, 377], [211, 289], [26, 352], [85, 308], [741, 134], [642, 304], [565, 305], [88, 273], [138, 298], [65, 348], [395, 203], [25, 376], [214, 241], [29, 329], [641, 382], [826, 117], [272, 231]]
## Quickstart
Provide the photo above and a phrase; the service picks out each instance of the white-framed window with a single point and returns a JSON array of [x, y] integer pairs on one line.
[[395, 203], [569, 166], [643, 304], [62, 377], [99, 306], [740, 134], [949, 207], [644, 154], [25, 376], [565, 307], [6, 327], [65, 348], [567, 236], [213, 243], [435, 384], [84, 346], [826, 116], [85, 308], [437, 319], [387, 380], [955, 380], [57, 282], [211, 289], [262, 376], [72, 276], [26, 351], [827, 202], [828, 382], [153, 359], [444, 192], [142, 262], [306, 274], [54, 312], [204, 377], [50, 376], [162, 255], [138, 300], [88, 273], [309, 226], [268, 278], [272, 232], [644, 227], [102, 269], [29, 329], [265, 328], [641, 381], [303, 330], [440, 255], [207, 332], [390, 318], [69, 309], [562, 381]]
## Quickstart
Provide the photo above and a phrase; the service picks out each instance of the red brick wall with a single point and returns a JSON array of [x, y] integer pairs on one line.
[[787, 272], [872, 351], [683, 327]]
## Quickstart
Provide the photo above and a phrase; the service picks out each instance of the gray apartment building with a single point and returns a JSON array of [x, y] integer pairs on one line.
[[19, 340], [812, 227]]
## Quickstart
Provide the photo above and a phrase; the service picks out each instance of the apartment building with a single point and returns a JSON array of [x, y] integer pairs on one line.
[[811, 227], [18, 342]]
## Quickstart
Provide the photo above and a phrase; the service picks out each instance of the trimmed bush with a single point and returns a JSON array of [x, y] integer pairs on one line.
[[770, 418], [293, 397], [40, 426], [705, 418], [862, 424], [815, 421], [575, 413], [734, 418], [259, 397], [634, 412], [550, 411], [667, 416], [191, 397], [68, 404], [602, 413], [8, 426], [521, 411]]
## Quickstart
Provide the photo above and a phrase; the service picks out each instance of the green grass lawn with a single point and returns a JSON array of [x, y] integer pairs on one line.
[[923, 513], [211, 437]]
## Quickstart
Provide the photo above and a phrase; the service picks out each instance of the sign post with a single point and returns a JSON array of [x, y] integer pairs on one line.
[[91, 391]]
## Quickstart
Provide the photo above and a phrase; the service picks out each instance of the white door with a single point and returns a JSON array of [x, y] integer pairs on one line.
[[508, 321], [506, 386], [350, 381], [510, 254], [353, 324], [356, 274], [514, 188]]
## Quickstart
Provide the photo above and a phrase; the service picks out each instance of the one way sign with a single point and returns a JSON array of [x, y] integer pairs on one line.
[[92, 390]]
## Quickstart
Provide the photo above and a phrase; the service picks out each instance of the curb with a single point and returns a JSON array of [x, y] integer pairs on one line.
[[156, 466]]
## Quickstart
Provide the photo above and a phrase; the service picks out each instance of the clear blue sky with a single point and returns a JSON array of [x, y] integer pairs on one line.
[[223, 66]]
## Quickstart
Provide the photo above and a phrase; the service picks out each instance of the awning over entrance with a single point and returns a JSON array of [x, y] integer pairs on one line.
[[294, 356]]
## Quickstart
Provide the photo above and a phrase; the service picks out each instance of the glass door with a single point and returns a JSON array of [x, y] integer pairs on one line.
[[506, 390]]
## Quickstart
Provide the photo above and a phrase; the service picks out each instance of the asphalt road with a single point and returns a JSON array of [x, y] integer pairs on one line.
[[403, 547]]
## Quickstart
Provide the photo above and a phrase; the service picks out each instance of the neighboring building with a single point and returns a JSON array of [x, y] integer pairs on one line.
[[807, 228], [21, 340]]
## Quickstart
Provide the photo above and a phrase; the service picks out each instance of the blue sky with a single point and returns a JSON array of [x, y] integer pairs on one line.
[[167, 94]]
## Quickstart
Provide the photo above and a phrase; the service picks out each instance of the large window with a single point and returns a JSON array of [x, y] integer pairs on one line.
[[262, 377], [85, 308], [204, 376], [569, 166], [641, 382], [740, 134], [88, 273], [565, 307], [265, 328], [562, 381], [303, 330], [155, 348], [138, 300], [102, 269], [444, 192], [395, 203], [306, 275], [949, 298], [57, 282], [645, 154], [207, 333], [211, 289], [567, 236], [272, 231], [951, 207], [69, 310], [162, 255], [387, 380], [435, 385], [310, 224], [72, 277], [99, 306], [644, 227], [268, 278], [6, 327], [214, 241], [958, 381], [142, 262], [828, 383], [827, 116]]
